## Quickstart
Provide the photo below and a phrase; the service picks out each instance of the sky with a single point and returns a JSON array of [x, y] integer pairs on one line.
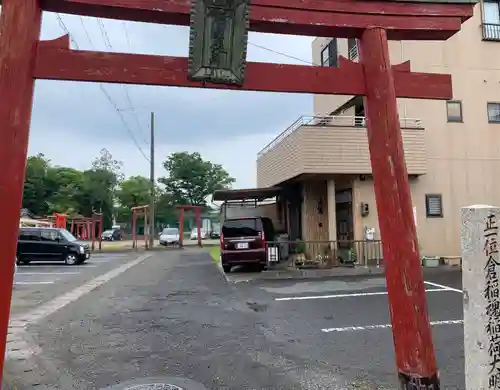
[[73, 121]]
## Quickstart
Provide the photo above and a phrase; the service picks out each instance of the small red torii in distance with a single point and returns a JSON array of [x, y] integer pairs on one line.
[[140, 211], [197, 212], [23, 58]]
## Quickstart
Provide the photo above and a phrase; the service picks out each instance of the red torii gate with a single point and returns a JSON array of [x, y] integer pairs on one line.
[[140, 211], [197, 212], [23, 58]]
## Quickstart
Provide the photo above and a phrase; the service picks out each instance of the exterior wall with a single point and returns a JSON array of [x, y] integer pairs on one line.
[[345, 150], [437, 236], [462, 158], [332, 150], [325, 104], [288, 154]]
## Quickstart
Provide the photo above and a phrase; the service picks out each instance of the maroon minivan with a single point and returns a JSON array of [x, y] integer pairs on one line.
[[243, 242]]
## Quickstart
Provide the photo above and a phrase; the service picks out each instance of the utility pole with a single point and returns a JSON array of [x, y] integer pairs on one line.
[[152, 181]]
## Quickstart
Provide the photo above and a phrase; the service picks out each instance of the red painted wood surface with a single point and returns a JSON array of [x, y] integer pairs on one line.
[[20, 23], [464, 11], [181, 227], [198, 225], [172, 71], [306, 17], [407, 300]]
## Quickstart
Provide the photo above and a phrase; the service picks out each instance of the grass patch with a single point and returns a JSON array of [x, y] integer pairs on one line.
[[215, 253]]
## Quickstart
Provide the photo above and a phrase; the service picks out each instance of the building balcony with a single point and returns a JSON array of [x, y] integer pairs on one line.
[[491, 31], [332, 145]]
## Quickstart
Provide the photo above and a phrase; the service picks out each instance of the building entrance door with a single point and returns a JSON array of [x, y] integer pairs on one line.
[[345, 223]]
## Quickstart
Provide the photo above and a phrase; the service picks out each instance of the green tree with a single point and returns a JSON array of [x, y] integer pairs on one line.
[[66, 186], [166, 213], [36, 184], [134, 191], [100, 185], [106, 162], [190, 179]]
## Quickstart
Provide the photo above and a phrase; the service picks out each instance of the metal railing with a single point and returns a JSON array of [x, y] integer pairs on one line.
[[353, 53], [334, 121], [491, 31], [326, 254]]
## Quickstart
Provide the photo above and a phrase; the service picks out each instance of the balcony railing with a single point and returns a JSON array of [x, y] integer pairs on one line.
[[334, 121], [491, 32], [353, 53]]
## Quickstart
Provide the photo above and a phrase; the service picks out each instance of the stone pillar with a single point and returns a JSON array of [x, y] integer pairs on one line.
[[331, 207], [481, 270]]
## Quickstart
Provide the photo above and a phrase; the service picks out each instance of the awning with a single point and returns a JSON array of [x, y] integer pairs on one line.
[[247, 193]]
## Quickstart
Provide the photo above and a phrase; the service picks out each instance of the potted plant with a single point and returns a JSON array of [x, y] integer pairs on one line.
[[300, 256]]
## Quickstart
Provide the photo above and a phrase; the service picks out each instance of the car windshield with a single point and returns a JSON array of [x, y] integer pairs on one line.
[[67, 235], [108, 232], [250, 227], [171, 231]]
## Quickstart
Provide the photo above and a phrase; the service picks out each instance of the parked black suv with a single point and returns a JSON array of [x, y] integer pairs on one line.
[[50, 244]]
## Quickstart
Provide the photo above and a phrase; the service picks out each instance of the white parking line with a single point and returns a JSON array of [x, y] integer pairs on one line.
[[59, 266], [444, 287], [35, 282], [384, 326], [47, 273], [347, 295]]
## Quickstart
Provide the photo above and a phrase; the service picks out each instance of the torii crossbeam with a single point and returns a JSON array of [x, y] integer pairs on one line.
[[23, 58]]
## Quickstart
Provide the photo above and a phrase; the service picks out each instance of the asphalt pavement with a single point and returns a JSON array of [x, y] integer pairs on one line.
[[173, 318], [39, 282]]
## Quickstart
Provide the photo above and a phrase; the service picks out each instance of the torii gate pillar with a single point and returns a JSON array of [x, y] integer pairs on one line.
[[20, 25], [415, 358]]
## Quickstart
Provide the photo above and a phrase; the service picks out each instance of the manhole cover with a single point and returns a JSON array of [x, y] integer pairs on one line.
[[155, 386], [158, 383]]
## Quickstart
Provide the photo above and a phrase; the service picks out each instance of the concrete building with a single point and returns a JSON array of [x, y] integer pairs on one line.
[[452, 148]]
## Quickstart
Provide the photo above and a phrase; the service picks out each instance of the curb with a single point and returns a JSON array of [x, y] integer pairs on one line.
[[221, 270], [329, 274], [319, 274]]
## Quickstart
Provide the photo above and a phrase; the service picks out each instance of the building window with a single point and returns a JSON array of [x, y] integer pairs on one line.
[[329, 55], [352, 48], [454, 111], [434, 206], [491, 20], [493, 112]]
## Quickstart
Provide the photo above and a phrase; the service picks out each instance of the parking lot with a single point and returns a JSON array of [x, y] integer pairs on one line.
[[176, 314], [346, 322], [39, 282]]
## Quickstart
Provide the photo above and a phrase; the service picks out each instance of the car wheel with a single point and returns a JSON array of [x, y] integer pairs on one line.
[[71, 259], [18, 261], [25, 262], [226, 268]]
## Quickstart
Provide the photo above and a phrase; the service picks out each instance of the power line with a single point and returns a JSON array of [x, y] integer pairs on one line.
[[282, 54], [124, 24], [278, 52], [65, 29], [86, 32], [122, 118], [104, 91], [125, 88]]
